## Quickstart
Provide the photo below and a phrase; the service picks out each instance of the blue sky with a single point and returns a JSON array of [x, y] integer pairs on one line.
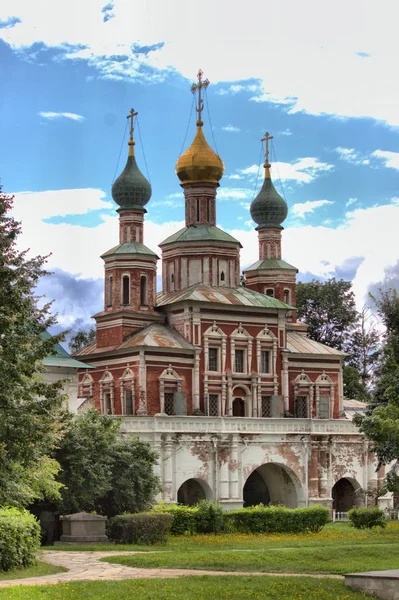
[[320, 77]]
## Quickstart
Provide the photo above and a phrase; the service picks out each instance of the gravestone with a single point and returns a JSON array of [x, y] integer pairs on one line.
[[83, 528]]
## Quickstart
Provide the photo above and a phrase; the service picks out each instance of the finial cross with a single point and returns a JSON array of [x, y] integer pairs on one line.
[[198, 87], [266, 139], [131, 116]]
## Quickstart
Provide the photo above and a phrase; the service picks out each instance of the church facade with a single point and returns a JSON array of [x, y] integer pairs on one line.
[[215, 371]]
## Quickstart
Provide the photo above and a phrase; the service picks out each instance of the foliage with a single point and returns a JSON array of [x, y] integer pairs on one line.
[[184, 517], [102, 472], [367, 517], [30, 408], [363, 354], [19, 539], [277, 519], [381, 426], [143, 528], [81, 339], [209, 517]]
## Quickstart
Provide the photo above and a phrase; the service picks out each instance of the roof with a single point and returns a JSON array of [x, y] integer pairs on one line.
[[222, 295], [352, 407], [200, 233], [129, 248], [61, 358], [157, 336], [271, 264], [300, 344]]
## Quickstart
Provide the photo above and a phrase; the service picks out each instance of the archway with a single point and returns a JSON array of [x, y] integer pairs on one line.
[[345, 494], [238, 407], [193, 491], [273, 483]]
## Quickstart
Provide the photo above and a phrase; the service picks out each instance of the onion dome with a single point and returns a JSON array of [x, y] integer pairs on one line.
[[268, 209], [199, 163], [131, 190]]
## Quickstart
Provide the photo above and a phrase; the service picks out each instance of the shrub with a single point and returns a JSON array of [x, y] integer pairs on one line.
[[367, 518], [277, 519], [209, 517], [184, 517], [141, 528], [19, 539]]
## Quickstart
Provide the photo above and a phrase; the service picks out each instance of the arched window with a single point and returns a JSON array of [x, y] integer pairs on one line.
[[287, 296], [270, 292], [143, 290], [110, 291], [222, 276], [198, 210], [126, 289]]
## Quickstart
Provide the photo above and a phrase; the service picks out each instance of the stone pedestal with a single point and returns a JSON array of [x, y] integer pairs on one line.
[[83, 528]]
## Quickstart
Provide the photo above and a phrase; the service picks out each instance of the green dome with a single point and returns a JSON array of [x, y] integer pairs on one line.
[[131, 189], [268, 209]]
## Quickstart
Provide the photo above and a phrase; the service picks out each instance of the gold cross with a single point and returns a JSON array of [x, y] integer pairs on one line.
[[266, 139], [198, 86], [131, 116]]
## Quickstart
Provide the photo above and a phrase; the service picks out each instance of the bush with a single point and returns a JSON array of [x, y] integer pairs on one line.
[[19, 539], [141, 528], [209, 517], [277, 519], [367, 518], [184, 517]]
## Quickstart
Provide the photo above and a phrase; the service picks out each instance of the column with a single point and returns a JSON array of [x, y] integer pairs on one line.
[[142, 410], [168, 470], [234, 470], [223, 455], [313, 471], [285, 383], [229, 411], [254, 396], [196, 394]]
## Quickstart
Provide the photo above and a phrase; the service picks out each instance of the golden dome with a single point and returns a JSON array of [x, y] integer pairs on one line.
[[199, 163]]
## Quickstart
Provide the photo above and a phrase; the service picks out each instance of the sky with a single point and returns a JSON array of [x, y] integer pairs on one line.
[[321, 77]]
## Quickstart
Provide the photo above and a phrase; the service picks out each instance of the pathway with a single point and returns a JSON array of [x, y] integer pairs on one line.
[[86, 566]]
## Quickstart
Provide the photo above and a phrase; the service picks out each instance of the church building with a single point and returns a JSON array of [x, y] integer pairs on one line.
[[214, 370]]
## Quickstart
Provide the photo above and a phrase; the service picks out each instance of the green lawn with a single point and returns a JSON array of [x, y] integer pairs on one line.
[[191, 588], [332, 535], [307, 560], [38, 570]]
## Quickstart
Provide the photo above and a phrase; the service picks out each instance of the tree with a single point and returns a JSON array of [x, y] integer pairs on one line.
[[364, 348], [102, 471], [30, 408], [381, 425], [81, 339]]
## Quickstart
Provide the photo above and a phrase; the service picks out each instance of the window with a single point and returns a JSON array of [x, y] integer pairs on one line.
[[239, 361], [324, 407], [287, 296], [198, 210], [129, 402], [107, 403], [110, 291], [213, 405], [169, 403], [301, 407], [266, 407], [222, 276], [125, 289], [143, 290], [264, 361], [213, 359], [270, 292]]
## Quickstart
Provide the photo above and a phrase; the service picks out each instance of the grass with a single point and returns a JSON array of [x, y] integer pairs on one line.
[[338, 534], [41, 568], [308, 560], [191, 588]]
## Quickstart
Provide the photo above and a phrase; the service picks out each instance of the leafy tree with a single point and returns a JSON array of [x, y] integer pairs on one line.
[[381, 426], [30, 408], [102, 471], [81, 339], [364, 349]]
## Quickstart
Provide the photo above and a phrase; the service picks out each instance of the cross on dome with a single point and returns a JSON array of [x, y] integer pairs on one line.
[[202, 84]]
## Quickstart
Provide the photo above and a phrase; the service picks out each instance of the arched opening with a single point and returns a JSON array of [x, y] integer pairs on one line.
[[238, 407], [143, 290], [270, 292], [272, 483], [110, 291], [126, 289], [222, 276], [345, 495], [193, 491]]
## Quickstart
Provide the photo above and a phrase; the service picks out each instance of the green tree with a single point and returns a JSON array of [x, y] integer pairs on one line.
[[30, 408], [381, 425], [81, 339], [102, 471]]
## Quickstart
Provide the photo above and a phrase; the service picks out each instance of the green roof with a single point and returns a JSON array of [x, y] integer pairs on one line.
[[129, 248], [61, 358], [200, 233], [271, 264], [131, 190]]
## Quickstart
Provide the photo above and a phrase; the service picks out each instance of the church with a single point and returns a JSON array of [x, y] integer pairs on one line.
[[214, 370]]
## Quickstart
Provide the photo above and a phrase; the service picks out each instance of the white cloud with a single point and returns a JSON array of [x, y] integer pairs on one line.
[[231, 128], [52, 203], [351, 201], [391, 159], [304, 170], [304, 208], [61, 115], [315, 34], [351, 155], [285, 132], [234, 193]]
